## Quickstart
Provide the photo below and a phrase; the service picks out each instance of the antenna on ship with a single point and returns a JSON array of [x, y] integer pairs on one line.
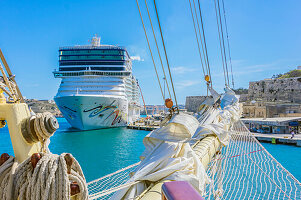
[[95, 42]]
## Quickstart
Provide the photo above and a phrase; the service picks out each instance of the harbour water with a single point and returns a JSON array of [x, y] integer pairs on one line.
[[104, 151]]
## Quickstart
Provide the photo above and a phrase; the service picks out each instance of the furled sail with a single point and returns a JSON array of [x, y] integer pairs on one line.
[[214, 141]]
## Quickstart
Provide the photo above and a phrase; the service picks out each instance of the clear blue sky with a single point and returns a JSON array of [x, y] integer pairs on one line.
[[265, 39]]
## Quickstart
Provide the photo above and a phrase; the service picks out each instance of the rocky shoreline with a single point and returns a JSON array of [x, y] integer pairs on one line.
[[39, 106]]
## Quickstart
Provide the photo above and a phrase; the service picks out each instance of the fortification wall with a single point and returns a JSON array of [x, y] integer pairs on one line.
[[193, 102], [271, 90]]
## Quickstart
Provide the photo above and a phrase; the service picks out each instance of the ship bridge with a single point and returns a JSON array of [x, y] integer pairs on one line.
[[94, 59]]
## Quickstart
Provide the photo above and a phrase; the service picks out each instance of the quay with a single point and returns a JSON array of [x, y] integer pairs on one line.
[[276, 125], [274, 138], [275, 130], [278, 138], [143, 127], [270, 138]]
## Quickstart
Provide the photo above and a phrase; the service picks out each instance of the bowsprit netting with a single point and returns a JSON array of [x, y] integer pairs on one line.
[[105, 187], [242, 170], [246, 170]]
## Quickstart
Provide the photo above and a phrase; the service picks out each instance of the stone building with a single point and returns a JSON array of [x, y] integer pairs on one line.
[[276, 90], [270, 109], [192, 103], [265, 99], [254, 110], [283, 109], [273, 98]]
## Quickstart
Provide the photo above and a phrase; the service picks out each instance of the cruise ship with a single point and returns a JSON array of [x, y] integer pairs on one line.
[[98, 89]]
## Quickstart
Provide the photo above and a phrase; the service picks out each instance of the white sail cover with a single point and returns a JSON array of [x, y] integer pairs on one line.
[[168, 153], [168, 156], [243, 168]]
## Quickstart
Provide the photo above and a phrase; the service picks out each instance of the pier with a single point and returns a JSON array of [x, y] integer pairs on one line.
[[271, 138], [143, 127], [279, 138]]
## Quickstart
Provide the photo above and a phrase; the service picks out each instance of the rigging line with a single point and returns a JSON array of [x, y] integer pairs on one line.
[[142, 98], [223, 40], [197, 20], [229, 54], [158, 49], [205, 44], [197, 39], [173, 88], [219, 37], [150, 50], [263, 171]]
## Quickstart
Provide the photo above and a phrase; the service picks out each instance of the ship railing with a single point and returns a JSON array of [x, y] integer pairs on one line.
[[59, 74], [91, 47]]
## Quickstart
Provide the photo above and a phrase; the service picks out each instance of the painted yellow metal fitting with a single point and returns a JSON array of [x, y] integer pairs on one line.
[[207, 78], [14, 114], [2, 97]]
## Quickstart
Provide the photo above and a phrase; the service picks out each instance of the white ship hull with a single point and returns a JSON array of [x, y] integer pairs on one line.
[[94, 112], [98, 89]]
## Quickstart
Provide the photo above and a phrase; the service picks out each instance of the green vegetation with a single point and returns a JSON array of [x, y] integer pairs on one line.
[[290, 74]]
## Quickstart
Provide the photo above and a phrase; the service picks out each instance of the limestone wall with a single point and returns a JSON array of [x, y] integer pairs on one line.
[[193, 102], [272, 90]]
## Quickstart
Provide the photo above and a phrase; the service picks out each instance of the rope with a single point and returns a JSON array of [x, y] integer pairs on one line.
[[229, 53], [142, 98], [197, 39], [44, 126], [108, 175], [197, 20], [242, 170], [220, 36], [258, 143], [262, 171], [111, 190], [15, 89], [48, 180], [150, 50], [202, 39], [223, 41], [205, 44], [157, 48], [5, 169], [162, 38]]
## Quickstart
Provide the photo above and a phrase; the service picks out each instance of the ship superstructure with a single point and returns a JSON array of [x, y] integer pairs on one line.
[[97, 89]]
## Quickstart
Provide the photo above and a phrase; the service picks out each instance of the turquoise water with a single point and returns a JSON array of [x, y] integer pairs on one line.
[[99, 152], [288, 156], [104, 151]]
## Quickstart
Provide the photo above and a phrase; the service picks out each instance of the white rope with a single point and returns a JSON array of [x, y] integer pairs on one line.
[[49, 180], [106, 186], [111, 190], [243, 169], [251, 172], [118, 171], [5, 169]]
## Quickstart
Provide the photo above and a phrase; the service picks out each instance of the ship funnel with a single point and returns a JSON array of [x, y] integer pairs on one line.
[[95, 41]]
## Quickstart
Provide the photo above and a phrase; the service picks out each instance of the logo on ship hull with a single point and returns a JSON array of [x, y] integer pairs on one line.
[[99, 111]]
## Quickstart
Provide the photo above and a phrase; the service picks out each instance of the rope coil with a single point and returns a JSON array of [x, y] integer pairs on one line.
[[39, 128], [47, 180]]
